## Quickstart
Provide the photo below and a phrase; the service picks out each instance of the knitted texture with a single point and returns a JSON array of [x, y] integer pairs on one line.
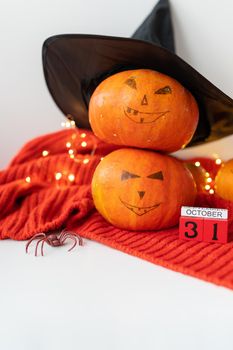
[[42, 192]]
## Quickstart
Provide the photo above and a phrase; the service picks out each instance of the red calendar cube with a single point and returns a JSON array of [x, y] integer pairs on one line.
[[191, 228], [215, 231]]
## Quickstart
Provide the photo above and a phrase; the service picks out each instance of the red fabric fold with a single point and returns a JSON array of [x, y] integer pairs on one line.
[[32, 200]]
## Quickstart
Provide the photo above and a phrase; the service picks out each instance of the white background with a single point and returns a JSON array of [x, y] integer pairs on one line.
[[95, 297]]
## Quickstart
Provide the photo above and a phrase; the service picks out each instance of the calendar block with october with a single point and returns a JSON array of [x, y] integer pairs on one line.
[[204, 224]]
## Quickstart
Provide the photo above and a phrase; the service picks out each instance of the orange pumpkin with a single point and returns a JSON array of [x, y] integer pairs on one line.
[[199, 175], [142, 190], [224, 181], [143, 108]]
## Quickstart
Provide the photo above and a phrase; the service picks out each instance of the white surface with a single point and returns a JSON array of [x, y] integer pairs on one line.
[[203, 37], [96, 297]]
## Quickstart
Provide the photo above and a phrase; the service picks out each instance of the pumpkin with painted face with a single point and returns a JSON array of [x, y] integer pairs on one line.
[[224, 181], [143, 108], [142, 190]]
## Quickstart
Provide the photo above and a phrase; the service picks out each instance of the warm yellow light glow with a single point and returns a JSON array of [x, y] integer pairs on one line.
[[211, 191], [45, 153], [101, 158], [68, 124], [207, 174], [209, 180], [218, 161], [58, 176], [84, 144], [207, 187], [71, 151], [72, 156], [197, 163], [28, 179], [85, 161], [83, 135], [71, 177], [68, 144]]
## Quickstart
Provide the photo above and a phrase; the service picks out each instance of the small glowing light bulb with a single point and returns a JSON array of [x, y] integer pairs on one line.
[[71, 177], [58, 176], [85, 161], [211, 191], [218, 161], [68, 144], [67, 124], [84, 144], [101, 158], [209, 180], [197, 163], [83, 135], [28, 179], [71, 151], [63, 124], [207, 174], [207, 187], [45, 153], [72, 156], [72, 122]]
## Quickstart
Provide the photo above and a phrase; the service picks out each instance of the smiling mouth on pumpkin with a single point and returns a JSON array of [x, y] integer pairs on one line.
[[143, 117], [139, 210]]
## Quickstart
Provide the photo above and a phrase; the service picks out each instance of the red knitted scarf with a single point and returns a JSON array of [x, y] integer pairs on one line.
[[47, 187]]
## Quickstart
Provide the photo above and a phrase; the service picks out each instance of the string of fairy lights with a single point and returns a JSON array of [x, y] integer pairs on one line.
[[71, 151], [72, 154], [209, 182]]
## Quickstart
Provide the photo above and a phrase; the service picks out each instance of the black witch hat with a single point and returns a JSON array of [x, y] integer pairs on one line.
[[74, 64]]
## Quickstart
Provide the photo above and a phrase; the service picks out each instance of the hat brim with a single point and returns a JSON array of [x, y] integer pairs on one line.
[[74, 64]]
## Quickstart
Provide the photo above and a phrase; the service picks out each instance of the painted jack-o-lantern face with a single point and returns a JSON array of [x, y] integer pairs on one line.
[[141, 190], [145, 115], [145, 109], [224, 181]]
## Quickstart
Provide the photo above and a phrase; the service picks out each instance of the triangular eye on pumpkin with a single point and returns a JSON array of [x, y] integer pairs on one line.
[[156, 176], [131, 82], [165, 90], [125, 175]]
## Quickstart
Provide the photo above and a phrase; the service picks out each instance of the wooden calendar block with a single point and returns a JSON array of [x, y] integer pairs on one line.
[[215, 231], [191, 228], [204, 224]]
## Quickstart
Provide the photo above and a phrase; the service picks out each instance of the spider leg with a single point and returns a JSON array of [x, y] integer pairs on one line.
[[71, 237], [32, 239], [42, 247], [80, 240], [37, 244], [65, 233]]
